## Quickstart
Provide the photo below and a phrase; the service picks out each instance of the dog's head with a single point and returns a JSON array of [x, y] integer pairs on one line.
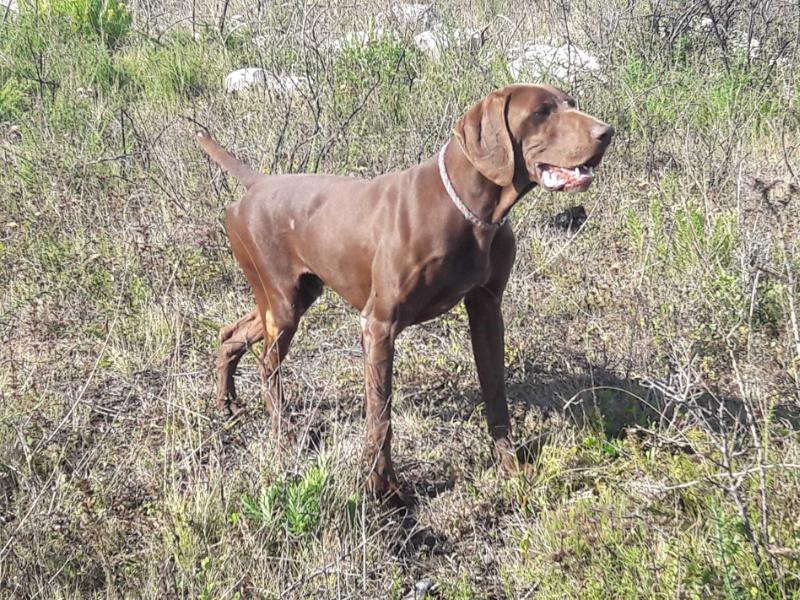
[[533, 133]]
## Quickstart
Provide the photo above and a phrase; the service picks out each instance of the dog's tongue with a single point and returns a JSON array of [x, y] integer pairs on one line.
[[570, 180]]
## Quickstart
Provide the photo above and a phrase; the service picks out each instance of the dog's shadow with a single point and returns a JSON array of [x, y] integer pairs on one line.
[[589, 396], [598, 398], [592, 396], [595, 397]]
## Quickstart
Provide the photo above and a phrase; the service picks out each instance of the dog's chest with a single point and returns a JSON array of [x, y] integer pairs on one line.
[[446, 284]]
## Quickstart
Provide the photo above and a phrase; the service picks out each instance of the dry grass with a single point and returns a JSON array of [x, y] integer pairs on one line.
[[652, 357]]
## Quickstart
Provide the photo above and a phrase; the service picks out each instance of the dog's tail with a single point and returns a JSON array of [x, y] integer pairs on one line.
[[246, 176]]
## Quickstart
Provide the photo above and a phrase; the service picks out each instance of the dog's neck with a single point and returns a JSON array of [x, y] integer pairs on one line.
[[487, 200]]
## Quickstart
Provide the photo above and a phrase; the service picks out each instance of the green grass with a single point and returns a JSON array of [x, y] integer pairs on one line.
[[108, 20], [173, 72], [12, 99], [667, 94], [295, 504], [632, 538]]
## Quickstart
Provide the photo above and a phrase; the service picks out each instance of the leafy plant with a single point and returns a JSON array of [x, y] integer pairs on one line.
[[382, 64], [108, 19], [168, 73], [295, 504], [12, 100]]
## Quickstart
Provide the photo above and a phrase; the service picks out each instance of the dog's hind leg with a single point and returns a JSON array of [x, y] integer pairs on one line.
[[234, 340], [283, 309]]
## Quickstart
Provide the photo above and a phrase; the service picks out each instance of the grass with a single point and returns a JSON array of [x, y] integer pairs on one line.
[[653, 358]]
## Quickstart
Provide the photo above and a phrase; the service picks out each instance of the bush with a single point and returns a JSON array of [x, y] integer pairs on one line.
[[171, 73], [12, 100], [297, 504], [383, 64], [108, 19]]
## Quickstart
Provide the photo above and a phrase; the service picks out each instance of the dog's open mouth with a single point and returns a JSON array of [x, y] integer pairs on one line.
[[561, 179]]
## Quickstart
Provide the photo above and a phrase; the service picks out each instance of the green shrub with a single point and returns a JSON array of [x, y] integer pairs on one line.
[[685, 241], [108, 19], [75, 119], [686, 94], [702, 241], [12, 99], [169, 73], [44, 57], [294, 504], [383, 64]]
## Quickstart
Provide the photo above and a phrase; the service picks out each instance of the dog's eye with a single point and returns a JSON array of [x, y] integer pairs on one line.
[[544, 110], [571, 103]]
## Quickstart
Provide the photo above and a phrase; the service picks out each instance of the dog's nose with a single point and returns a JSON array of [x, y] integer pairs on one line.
[[602, 132]]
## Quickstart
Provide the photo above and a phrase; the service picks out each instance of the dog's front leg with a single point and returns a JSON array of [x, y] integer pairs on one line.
[[487, 332], [378, 341]]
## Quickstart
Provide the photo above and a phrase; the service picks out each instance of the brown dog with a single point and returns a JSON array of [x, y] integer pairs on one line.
[[403, 248]]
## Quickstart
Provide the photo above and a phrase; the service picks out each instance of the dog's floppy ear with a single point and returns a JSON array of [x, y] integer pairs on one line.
[[485, 139]]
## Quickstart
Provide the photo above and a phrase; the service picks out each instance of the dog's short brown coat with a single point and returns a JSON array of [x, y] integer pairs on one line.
[[398, 250]]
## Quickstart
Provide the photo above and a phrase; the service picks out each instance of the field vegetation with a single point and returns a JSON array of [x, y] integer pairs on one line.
[[653, 356]]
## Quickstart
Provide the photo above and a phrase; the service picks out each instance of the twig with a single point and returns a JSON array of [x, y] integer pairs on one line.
[[222, 17], [737, 474]]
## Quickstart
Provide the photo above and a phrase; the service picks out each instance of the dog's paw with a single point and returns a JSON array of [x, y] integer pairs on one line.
[[511, 460], [385, 489]]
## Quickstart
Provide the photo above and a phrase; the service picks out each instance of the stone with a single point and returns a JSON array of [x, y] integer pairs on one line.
[[423, 588], [7, 7], [245, 79], [741, 44], [705, 24], [571, 219], [416, 16], [358, 39], [250, 78], [237, 21], [436, 40], [537, 61]]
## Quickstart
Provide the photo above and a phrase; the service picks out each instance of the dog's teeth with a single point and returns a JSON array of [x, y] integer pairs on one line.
[[577, 172]]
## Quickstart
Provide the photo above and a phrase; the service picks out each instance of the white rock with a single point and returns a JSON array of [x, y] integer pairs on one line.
[[438, 39], [737, 39], [354, 38], [739, 43], [473, 39], [431, 43], [255, 78], [85, 93], [663, 29], [536, 61], [705, 24], [358, 38], [237, 21], [245, 79], [287, 83], [424, 588], [422, 16]]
